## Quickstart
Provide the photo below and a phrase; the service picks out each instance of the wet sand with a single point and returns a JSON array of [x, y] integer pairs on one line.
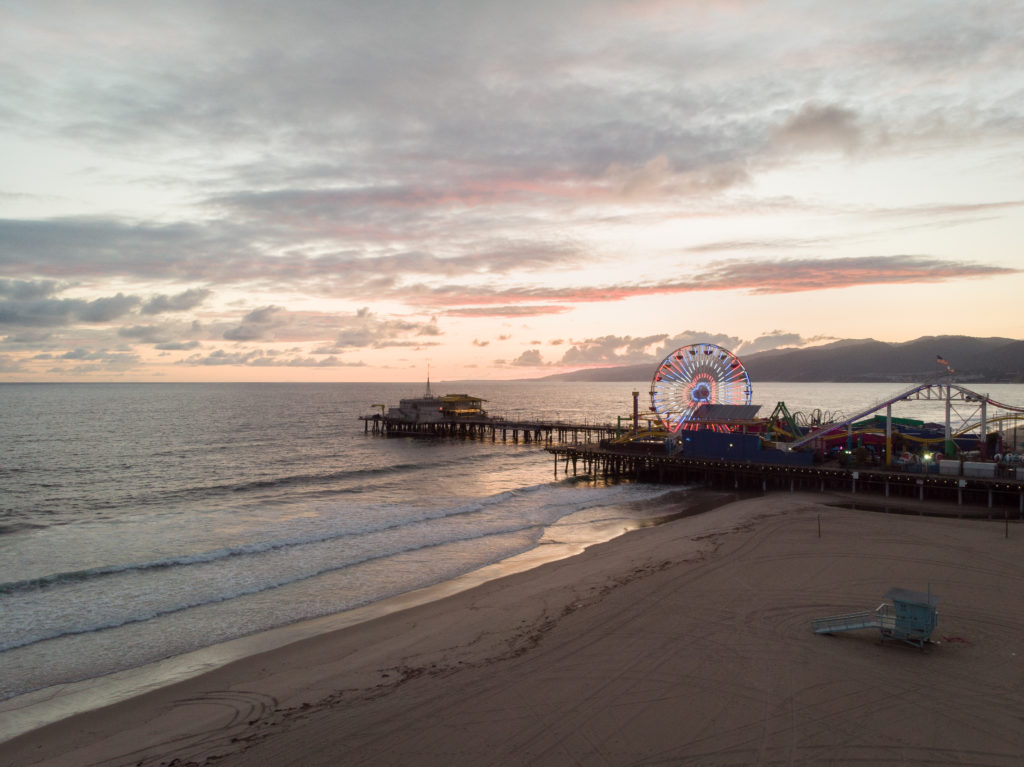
[[684, 643]]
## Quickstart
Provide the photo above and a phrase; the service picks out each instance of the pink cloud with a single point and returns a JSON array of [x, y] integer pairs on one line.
[[758, 277]]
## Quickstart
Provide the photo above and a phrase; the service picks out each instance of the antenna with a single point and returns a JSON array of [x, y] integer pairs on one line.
[[428, 394]]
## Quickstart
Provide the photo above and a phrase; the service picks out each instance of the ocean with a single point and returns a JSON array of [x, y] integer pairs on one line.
[[140, 522]]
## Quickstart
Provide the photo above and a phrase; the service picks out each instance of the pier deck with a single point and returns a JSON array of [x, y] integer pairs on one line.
[[582, 449], [653, 465], [530, 430]]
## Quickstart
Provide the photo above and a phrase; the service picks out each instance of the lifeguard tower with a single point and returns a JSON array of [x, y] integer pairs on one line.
[[908, 616]]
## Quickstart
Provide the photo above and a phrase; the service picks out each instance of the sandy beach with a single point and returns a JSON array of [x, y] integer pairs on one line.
[[684, 643]]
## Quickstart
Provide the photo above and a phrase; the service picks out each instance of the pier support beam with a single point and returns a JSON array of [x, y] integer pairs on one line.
[[888, 439], [984, 430]]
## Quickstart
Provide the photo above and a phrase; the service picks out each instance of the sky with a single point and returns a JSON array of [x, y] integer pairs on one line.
[[219, 190]]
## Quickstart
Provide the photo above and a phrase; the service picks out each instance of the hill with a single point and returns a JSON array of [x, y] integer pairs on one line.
[[990, 360]]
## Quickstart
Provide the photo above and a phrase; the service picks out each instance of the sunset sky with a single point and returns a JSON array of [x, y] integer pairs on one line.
[[345, 191]]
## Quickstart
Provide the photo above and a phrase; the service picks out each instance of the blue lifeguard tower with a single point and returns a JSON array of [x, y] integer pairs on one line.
[[908, 616]]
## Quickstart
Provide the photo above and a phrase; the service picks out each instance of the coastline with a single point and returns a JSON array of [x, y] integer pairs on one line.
[[25, 713], [688, 642]]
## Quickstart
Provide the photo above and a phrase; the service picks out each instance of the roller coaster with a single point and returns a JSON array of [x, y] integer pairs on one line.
[[965, 407]]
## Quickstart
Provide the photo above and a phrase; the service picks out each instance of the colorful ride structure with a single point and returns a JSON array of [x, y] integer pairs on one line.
[[967, 411], [694, 377], [705, 388]]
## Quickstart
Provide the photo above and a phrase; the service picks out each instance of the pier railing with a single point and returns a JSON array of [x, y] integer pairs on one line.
[[515, 430]]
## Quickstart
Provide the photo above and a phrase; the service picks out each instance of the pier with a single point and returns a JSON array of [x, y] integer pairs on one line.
[[651, 464], [540, 431], [595, 450], [690, 438]]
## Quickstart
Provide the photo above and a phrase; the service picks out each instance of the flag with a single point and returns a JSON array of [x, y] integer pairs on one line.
[[939, 358]]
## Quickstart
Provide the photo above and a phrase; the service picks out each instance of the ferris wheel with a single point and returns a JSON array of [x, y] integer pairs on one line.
[[696, 375]]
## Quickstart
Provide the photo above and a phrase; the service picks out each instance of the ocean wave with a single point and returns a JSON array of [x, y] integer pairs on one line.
[[18, 527], [530, 508], [346, 480], [573, 501], [141, 617]]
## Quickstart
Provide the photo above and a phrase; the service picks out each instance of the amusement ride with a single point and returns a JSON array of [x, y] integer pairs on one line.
[[694, 378], [696, 375]]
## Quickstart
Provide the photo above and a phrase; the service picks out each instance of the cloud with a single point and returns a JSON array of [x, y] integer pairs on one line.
[[923, 217], [265, 315], [177, 346], [167, 337], [366, 329], [798, 275], [657, 178], [317, 258], [688, 337], [29, 337], [257, 324], [104, 247], [507, 311], [747, 245], [261, 358], [777, 339], [98, 359], [9, 364], [624, 350], [177, 303], [611, 349], [56, 312], [27, 290], [107, 309], [817, 127], [529, 358], [751, 276], [144, 333], [221, 357], [82, 354]]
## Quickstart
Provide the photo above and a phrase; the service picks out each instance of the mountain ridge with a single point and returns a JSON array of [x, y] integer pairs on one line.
[[983, 360]]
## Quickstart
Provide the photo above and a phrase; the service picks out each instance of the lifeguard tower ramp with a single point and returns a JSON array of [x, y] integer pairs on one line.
[[909, 616]]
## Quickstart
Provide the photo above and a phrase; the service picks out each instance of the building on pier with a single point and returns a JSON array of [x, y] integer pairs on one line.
[[428, 409]]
